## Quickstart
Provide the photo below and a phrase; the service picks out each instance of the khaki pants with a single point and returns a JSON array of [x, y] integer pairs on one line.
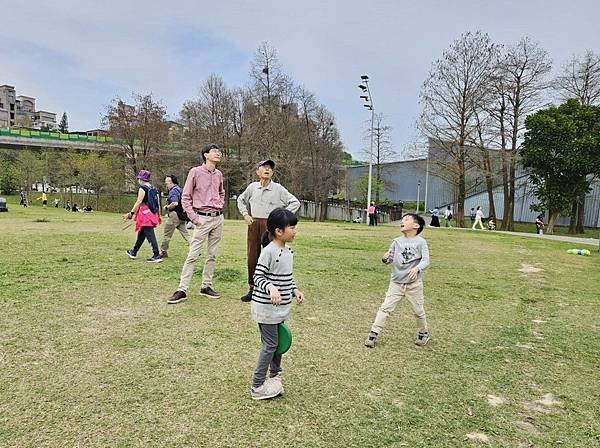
[[396, 291], [209, 228], [174, 223]]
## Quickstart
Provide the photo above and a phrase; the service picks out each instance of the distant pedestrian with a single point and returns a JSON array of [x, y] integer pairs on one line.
[[478, 218], [146, 213], [68, 206], [539, 224], [472, 215], [74, 208], [435, 217], [372, 212], [56, 202], [177, 217], [44, 198], [448, 216], [22, 199]]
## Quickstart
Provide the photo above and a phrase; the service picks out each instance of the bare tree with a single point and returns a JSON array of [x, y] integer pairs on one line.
[[580, 79], [383, 150], [141, 129], [456, 86], [523, 73]]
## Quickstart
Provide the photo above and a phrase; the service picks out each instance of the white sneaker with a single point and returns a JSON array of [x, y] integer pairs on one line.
[[277, 380], [269, 389]]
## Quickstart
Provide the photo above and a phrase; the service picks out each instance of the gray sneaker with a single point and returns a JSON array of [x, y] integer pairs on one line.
[[269, 389], [370, 341], [422, 338], [277, 380]]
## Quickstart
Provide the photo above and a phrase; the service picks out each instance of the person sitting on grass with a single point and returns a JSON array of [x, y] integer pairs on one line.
[[274, 289], [409, 256], [491, 223]]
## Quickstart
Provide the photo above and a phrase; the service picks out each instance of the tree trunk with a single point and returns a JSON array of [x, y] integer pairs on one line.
[[489, 184], [506, 190], [573, 218], [581, 215], [552, 216], [460, 207], [511, 203]]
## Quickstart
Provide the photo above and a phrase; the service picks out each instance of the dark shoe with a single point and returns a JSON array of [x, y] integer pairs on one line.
[[130, 254], [154, 259], [163, 254], [178, 296], [247, 297], [209, 292]]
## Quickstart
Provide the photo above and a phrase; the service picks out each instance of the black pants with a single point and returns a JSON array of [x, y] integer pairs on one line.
[[146, 233], [372, 220]]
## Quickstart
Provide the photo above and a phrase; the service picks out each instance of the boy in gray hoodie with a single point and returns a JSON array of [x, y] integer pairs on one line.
[[409, 256]]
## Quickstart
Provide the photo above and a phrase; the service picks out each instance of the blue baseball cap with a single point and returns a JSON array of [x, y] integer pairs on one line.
[[266, 162]]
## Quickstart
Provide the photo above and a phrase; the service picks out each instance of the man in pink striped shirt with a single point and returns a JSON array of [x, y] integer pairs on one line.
[[202, 199]]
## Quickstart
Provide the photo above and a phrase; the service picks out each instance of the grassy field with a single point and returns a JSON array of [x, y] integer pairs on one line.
[[92, 356]]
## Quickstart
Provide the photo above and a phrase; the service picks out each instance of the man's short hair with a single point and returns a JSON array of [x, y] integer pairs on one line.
[[207, 148], [173, 178], [418, 219]]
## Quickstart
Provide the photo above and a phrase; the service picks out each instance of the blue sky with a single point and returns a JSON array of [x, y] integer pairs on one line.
[[80, 54]]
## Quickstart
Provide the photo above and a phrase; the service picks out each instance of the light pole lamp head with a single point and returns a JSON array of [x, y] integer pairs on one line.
[[363, 87], [365, 97], [364, 78], [368, 106]]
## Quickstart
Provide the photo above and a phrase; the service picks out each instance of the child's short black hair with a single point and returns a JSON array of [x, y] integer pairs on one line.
[[418, 219], [280, 218], [173, 179], [207, 148]]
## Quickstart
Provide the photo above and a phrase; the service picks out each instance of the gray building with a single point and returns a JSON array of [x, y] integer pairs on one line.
[[403, 180], [20, 111]]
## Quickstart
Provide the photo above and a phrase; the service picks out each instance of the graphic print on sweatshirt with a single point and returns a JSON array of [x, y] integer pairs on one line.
[[408, 255]]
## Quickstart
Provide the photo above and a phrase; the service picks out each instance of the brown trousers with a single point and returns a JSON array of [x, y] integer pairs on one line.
[[255, 233]]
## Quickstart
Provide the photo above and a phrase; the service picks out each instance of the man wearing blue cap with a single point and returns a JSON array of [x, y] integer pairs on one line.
[[263, 197]]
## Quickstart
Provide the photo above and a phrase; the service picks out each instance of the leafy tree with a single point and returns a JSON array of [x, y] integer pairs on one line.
[[562, 150], [64, 124]]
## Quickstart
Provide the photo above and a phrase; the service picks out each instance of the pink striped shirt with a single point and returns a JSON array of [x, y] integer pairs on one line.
[[203, 191]]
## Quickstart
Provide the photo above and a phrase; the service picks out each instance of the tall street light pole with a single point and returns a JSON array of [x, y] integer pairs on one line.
[[364, 86]]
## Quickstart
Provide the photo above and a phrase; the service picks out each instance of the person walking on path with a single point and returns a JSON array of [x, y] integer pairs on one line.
[[203, 198], [146, 211], [272, 300], [372, 212], [472, 215], [478, 218], [262, 197], [448, 216], [435, 217], [177, 217], [409, 256], [56, 202]]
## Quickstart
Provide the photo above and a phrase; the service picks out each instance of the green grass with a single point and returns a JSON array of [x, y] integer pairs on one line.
[[91, 355]]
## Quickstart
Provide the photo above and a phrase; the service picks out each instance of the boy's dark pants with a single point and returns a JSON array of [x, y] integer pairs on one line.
[[267, 359], [255, 233]]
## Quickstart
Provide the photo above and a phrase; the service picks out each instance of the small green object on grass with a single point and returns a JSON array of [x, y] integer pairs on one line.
[[284, 335]]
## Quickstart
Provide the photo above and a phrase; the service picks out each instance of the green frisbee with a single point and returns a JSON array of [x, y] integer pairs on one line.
[[284, 336]]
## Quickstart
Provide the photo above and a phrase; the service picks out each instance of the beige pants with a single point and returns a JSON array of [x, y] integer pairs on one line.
[[396, 291], [209, 228], [173, 223]]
